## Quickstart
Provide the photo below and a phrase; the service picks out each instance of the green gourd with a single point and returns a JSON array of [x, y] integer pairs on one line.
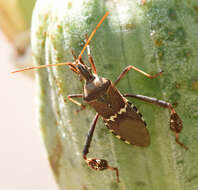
[[154, 35]]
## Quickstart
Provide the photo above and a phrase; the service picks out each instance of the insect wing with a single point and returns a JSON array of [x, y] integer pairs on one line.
[[130, 127]]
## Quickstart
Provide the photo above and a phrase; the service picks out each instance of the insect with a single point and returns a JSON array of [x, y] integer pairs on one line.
[[120, 116]]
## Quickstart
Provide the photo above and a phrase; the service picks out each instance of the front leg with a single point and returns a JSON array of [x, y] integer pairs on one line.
[[96, 163], [175, 120], [71, 96]]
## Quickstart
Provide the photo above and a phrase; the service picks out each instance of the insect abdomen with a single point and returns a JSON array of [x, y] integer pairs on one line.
[[129, 126], [121, 117]]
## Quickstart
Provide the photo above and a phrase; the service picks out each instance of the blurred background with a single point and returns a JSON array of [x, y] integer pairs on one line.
[[23, 160]]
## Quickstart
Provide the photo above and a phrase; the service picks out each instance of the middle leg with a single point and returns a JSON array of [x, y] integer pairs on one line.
[[71, 98]]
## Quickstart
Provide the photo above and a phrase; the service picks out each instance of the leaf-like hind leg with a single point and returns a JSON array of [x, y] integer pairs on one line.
[[71, 96], [96, 163], [175, 120]]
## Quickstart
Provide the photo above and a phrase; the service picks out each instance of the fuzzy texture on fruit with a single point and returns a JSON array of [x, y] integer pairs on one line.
[[151, 35]]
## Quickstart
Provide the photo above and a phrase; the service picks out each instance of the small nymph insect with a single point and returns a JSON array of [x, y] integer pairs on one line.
[[120, 116]]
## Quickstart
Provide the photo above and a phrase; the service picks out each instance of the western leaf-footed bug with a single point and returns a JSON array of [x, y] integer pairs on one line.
[[120, 116]]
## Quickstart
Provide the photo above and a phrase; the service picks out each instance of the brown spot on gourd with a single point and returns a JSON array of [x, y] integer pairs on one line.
[[84, 187], [196, 8], [55, 157], [130, 26], [158, 42], [195, 85], [177, 85]]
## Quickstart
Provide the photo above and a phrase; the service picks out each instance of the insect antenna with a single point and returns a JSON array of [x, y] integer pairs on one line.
[[44, 66], [72, 66], [92, 34]]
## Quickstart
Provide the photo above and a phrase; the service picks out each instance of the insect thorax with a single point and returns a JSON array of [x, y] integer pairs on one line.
[[96, 88], [106, 100]]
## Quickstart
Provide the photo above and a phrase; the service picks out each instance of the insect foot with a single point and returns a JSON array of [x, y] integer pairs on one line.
[[176, 126], [101, 164], [81, 109], [175, 123]]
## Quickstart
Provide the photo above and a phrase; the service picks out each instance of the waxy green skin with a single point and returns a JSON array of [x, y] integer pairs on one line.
[[159, 35]]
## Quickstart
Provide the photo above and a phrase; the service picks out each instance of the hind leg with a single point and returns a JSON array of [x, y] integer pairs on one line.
[[96, 163], [175, 120]]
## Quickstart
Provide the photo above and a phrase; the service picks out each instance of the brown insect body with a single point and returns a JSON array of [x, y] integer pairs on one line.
[[121, 117]]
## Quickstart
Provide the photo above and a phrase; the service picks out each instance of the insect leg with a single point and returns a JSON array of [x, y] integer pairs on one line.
[[91, 61], [71, 96], [175, 120], [73, 54], [96, 163], [125, 71]]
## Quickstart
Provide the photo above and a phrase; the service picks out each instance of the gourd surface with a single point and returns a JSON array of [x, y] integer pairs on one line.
[[157, 35]]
